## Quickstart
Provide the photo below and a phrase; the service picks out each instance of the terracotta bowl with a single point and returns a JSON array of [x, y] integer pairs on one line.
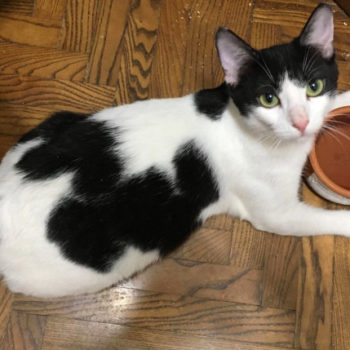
[[330, 158]]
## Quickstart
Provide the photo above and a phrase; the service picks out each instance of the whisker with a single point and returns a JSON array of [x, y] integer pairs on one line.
[[329, 132]]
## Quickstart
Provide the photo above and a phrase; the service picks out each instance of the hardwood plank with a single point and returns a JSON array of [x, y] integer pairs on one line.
[[169, 57], [15, 120], [64, 334], [136, 61], [169, 312], [42, 62], [294, 14], [217, 282], [6, 298], [207, 245], [53, 9], [315, 292], [203, 68], [106, 51], [54, 94], [24, 331], [265, 35], [344, 5], [341, 300], [281, 272], [344, 76], [220, 222], [248, 245], [23, 7], [314, 309], [34, 31], [79, 25]]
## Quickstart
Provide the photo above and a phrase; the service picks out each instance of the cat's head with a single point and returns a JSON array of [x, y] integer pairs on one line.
[[283, 90]]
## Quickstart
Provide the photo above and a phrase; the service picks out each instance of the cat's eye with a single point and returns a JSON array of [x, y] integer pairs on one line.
[[314, 88], [269, 100]]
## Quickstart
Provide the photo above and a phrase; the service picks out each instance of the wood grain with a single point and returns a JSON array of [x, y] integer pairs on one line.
[[24, 331], [248, 245], [53, 9], [106, 52], [6, 298], [207, 245], [315, 292], [169, 56], [78, 30], [203, 69], [341, 302], [223, 283], [314, 309], [281, 272], [57, 94], [23, 7], [42, 62], [34, 31], [65, 334], [175, 313], [140, 39]]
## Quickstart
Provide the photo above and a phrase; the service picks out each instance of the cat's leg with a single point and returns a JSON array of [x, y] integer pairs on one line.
[[304, 220], [341, 100]]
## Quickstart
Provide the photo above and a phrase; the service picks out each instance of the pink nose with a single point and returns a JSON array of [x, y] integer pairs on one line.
[[299, 118], [301, 124]]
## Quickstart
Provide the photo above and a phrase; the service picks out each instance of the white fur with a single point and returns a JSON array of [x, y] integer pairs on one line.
[[30, 263], [258, 181]]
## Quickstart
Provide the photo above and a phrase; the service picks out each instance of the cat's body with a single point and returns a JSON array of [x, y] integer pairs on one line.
[[86, 201]]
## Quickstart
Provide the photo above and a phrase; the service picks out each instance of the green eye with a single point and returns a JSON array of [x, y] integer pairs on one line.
[[269, 100], [314, 88]]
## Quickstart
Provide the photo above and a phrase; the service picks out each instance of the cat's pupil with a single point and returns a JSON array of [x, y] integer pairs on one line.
[[269, 98], [313, 86]]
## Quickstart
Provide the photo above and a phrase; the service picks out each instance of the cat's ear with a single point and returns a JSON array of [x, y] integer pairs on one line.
[[318, 31], [233, 52]]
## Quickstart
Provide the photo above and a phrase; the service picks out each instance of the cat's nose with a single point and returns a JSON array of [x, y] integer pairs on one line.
[[301, 125], [299, 118]]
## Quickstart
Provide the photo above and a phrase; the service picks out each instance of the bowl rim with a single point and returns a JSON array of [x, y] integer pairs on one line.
[[314, 160]]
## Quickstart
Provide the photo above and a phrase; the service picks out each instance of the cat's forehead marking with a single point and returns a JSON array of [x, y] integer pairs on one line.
[[292, 92]]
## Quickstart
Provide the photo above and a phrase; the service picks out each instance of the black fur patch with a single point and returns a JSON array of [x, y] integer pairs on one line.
[[148, 211], [278, 61], [212, 102], [72, 143]]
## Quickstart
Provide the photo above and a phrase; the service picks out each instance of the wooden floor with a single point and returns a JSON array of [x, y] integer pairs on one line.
[[230, 286]]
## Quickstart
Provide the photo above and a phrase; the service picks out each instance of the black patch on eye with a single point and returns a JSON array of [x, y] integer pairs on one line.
[[212, 102]]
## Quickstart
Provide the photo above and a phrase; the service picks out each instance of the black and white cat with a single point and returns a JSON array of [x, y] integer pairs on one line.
[[88, 200]]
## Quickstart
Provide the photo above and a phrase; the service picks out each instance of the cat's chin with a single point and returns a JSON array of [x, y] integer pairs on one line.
[[296, 137]]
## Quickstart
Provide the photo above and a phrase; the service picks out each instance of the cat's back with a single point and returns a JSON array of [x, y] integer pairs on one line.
[[80, 193]]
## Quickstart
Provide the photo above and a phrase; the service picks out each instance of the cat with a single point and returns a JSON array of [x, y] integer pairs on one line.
[[89, 200]]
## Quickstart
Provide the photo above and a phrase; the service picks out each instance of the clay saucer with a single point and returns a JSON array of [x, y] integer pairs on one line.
[[330, 158]]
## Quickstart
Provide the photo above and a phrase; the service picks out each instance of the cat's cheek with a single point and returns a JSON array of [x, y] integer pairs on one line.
[[318, 107], [267, 119]]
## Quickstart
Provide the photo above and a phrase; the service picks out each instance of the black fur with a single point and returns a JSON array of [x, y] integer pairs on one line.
[[212, 102], [279, 60], [105, 213], [72, 142]]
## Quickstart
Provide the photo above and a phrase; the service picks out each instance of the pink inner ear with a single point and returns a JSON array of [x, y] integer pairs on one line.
[[233, 55], [320, 32], [232, 58]]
